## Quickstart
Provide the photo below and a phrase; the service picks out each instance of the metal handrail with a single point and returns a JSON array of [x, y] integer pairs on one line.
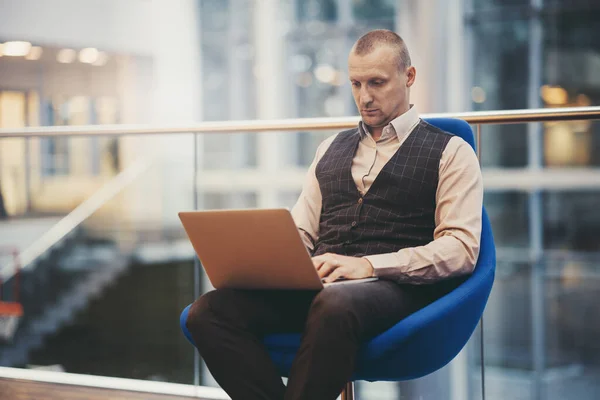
[[301, 124]]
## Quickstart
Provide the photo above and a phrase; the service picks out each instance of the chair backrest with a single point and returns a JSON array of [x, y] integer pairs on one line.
[[457, 127], [487, 255]]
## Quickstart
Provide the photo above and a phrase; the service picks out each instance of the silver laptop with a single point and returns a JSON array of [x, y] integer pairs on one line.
[[253, 249]]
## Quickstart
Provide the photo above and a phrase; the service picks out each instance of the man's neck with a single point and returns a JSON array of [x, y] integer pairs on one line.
[[376, 132]]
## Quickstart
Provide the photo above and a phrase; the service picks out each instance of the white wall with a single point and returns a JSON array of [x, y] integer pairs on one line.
[[112, 25], [166, 31]]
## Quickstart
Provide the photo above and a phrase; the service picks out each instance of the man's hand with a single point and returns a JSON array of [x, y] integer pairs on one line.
[[333, 266]]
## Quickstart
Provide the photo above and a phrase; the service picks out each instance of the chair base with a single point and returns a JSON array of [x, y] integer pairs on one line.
[[348, 392]]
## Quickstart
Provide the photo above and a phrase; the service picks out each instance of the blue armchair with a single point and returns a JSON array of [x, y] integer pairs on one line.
[[426, 340]]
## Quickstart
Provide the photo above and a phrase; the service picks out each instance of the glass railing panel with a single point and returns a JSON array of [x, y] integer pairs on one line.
[[538, 329], [507, 333], [571, 257], [106, 300], [543, 216]]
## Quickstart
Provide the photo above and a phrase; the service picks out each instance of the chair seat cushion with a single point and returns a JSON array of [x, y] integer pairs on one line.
[[283, 342]]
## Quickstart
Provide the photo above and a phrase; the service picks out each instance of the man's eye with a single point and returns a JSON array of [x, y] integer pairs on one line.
[[355, 84], [376, 83]]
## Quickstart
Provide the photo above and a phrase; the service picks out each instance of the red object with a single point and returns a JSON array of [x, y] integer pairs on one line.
[[11, 311], [10, 308]]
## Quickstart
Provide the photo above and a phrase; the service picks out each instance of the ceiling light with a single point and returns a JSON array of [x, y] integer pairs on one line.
[[304, 79], [478, 94], [583, 101], [554, 95], [301, 63], [66, 56], [35, 53], [101, 59], [16, 49], [88, 56], [325, 73], [340, 78]]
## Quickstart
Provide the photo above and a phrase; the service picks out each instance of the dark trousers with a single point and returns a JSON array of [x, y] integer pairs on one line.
[[228, 326]]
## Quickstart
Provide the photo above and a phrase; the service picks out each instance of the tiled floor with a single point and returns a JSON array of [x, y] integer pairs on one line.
[[12, 389]]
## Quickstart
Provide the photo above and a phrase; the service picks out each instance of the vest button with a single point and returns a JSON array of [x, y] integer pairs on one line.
[[360, 200], [353, 223]]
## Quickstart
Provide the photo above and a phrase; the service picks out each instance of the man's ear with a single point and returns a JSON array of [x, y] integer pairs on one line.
[[411, 74]]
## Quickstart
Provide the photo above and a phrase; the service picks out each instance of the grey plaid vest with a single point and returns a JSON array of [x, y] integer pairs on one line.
[[398, 211]]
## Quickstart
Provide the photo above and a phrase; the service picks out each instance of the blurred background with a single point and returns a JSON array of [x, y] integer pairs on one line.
[[106, 264]]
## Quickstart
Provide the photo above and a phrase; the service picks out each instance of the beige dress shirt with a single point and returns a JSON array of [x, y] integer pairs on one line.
[[459, 198]]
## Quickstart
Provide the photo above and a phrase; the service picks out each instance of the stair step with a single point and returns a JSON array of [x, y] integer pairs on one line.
[[62, 311]]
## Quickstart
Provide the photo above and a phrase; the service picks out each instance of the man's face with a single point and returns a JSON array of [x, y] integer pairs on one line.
[[380, 89]]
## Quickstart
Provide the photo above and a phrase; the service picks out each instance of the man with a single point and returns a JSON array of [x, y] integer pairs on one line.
[[394, 198], [3, 213]]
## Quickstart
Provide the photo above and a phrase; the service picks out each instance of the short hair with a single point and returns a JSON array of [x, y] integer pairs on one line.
[[373, 39]]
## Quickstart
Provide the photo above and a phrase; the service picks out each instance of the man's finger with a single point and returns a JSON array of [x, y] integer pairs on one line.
[[326, 269], [335, 275], [318, 262], [322, 257]]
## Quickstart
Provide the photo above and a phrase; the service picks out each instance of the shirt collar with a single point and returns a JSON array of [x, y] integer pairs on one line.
[[401, 125]]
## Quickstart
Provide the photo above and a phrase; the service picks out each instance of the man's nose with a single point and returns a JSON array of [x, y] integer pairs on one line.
[[365, 97]]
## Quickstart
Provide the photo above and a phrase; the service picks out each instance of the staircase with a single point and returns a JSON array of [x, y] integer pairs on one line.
[[66, 267], [55, 291]]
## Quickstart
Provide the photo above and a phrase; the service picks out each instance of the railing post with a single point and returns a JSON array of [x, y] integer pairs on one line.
[[481, 346], [478, 143], [197, 267], [535, 206], [27, 175], [348, 392]]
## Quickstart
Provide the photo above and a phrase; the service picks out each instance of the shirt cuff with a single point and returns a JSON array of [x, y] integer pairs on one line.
[[379, 261], [387, 266]]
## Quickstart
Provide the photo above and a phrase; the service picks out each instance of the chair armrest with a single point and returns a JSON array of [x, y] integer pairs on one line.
[[457, 313]]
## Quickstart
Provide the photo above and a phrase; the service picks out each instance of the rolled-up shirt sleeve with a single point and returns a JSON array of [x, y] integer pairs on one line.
[[455, 246]]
